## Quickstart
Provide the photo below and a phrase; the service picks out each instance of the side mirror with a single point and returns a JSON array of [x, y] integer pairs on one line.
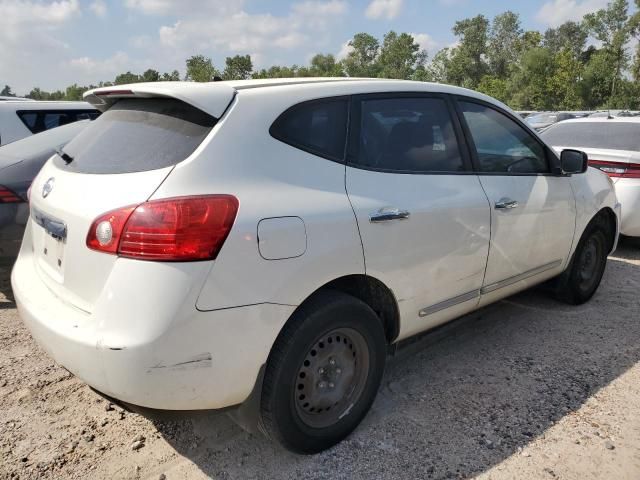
[[573, 161]]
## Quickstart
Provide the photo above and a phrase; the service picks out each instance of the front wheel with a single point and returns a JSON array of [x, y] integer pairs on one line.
[[323, 373], [582, 279]]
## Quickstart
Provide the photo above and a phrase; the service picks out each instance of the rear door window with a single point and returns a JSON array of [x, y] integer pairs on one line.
[[138, 135], [318, 127], [405, 134]]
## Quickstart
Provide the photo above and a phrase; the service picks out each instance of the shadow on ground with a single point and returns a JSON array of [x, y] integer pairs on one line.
[[459, 404], [6, 294]]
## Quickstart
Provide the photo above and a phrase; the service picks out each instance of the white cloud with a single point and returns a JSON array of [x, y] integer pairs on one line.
[[388, 9], [555, 12], [425, 41], [29, 38], [106, 68], [99, 8], [259, 33], [345, 49], [182, 7]]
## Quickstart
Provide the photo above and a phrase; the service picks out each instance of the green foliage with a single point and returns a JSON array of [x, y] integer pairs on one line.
[[494, 87], [362, 60], [468, 64], [504, 43], [201, 69], [400, 56], [325, 66], [237, 68], [6, 92]]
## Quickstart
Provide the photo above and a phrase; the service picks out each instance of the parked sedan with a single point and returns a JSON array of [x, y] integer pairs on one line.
[[613, 146], [544, 120], [20, 162], [257, 246]]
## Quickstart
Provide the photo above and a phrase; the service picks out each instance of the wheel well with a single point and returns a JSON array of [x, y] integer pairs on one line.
[[607, 218], [375, 294]]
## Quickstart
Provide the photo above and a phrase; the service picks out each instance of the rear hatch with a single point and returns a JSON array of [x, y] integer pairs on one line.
[[117, 161]]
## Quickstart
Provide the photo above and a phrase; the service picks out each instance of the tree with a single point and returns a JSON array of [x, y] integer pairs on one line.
[[127, 77], [439, 67], [171, 77], [238, 67], [74, 92], [467, 65], [6, 92], [325, 66], [504, 43], [201, 69], [612, 27], [569, 36], [361, 61], [529, 84], [494, 87], [277, 72], [400, 55], [563, 84], [150, 75]]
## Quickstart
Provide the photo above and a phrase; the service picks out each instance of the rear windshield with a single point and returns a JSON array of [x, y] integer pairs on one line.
[[606, 135], [137, 135]]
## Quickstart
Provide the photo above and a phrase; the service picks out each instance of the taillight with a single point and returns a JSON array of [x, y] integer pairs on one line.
[[174, 229], [617, 169], [8, 196]]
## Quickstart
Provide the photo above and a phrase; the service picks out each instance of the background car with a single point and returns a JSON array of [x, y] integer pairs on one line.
[[544, 120], [20, 119], [20, 162], [613, 146]]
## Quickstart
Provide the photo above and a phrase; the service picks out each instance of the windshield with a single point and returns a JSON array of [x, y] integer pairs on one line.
[[136, 135], [544, 118], [605, 135]]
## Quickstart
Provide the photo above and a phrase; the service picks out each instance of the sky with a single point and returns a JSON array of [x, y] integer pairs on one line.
[[52, 44]]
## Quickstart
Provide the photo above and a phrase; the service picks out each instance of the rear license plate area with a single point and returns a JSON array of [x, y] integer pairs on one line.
[[49, 243]]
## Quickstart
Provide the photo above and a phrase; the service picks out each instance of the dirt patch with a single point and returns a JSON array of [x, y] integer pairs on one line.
[[527, 388]]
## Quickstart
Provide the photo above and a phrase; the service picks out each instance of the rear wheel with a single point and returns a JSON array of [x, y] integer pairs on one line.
[[582, 279], [323, 373]]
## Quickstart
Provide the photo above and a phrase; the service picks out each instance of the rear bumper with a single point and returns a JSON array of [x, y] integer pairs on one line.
[[628, 193], [169, 357]]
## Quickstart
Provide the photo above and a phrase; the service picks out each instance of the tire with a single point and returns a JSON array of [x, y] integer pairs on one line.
[[580, 282], [323, 373]]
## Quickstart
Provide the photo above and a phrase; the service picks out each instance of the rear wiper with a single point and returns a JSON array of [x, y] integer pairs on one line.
[[64, 156]]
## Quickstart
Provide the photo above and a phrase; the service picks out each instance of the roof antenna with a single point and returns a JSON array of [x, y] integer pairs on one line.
[[609, 116]]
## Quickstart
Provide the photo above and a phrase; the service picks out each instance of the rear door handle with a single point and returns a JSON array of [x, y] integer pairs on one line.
[[506, 204], [388, 214]]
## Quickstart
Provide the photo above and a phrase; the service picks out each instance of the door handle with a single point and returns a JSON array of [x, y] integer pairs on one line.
[[388, 214], [506, 204]]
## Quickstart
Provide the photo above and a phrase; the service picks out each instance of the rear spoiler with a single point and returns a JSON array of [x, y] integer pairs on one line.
[[212, 98]]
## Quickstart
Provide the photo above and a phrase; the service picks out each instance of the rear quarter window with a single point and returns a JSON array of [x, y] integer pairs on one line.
[[137, 135], [318, 127]]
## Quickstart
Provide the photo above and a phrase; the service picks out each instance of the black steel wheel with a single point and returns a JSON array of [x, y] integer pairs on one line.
[[331, 377], [581, 280], [323, 372]]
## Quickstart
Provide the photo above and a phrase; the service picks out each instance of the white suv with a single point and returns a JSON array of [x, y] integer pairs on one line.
[[260, 244], [22, 118]]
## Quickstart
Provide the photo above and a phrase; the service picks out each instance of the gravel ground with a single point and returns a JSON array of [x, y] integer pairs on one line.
[[527, 388]]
